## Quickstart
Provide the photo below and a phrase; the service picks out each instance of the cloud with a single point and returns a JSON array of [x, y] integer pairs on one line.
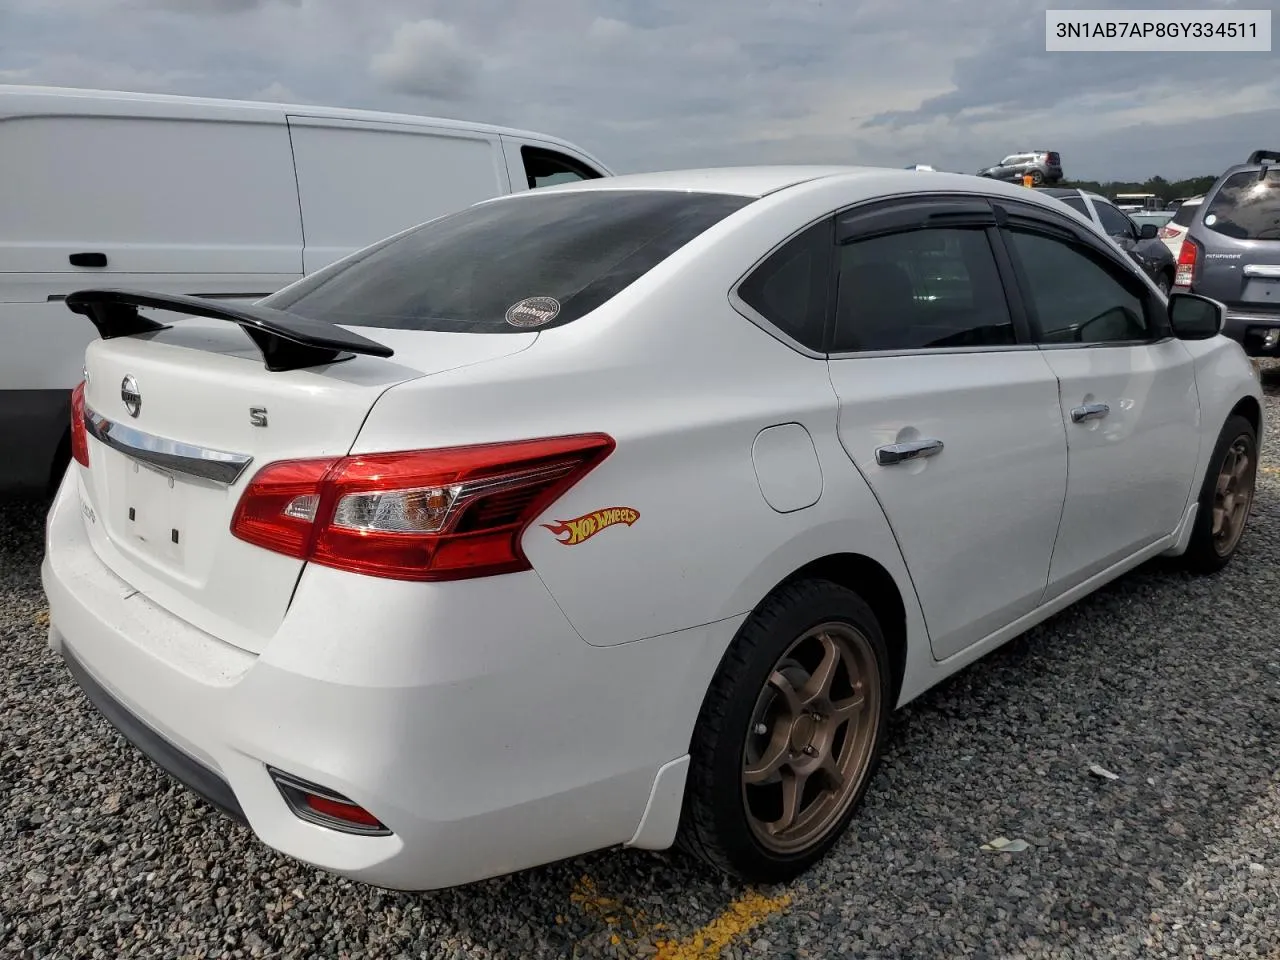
[[426, 58], [275, 92], [647, 84]]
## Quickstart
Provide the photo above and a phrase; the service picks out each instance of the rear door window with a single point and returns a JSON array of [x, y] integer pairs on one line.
[[920, 289], [1246, 208], [531, 262], [1076, 203]]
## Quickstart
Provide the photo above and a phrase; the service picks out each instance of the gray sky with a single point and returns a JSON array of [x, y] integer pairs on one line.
[[652, 84]]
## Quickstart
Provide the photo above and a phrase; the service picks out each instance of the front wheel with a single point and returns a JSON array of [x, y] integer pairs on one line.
[[1226, 498], [789, 734]]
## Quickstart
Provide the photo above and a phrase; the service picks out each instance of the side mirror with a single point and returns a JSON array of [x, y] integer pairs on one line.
[[1194, 317], [1148, 231]]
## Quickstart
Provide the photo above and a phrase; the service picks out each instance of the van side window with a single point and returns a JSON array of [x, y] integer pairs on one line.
[[547, 167]]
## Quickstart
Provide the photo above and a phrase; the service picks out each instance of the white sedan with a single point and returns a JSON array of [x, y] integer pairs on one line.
[[622, 513]]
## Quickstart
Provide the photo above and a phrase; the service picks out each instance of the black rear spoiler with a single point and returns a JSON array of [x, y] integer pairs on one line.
[[1264, 156], [287, 341]]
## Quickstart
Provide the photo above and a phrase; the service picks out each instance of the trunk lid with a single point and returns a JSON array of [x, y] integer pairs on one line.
[[204, 391]]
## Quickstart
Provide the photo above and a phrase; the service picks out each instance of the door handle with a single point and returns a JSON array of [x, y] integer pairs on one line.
[[911, 450], [1089, 411]]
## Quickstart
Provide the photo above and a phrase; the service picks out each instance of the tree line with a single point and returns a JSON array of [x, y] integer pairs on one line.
[[1162, 188]]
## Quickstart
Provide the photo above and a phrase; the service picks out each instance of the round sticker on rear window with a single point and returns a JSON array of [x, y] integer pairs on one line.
[[1210, 220], [533, 312]]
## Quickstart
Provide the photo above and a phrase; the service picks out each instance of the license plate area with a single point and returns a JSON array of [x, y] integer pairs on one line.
[[1262, 290], [149, 512]]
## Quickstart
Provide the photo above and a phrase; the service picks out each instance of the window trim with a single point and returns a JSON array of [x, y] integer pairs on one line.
[[1054, 226], [751, 314]]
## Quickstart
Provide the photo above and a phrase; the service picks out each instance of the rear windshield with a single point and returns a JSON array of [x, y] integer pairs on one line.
[[1076, 204], [1246, 208], [1182, 216], [509, 266]]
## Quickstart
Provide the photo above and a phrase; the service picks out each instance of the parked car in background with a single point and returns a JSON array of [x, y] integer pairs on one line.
[[1157, 218], [1232, 251], [1044, 166], [1173, 232], [1136, 202], [223, 199], [1139, 241], [399, 628]]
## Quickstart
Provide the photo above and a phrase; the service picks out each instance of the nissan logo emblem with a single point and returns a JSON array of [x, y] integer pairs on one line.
[[130, 395]]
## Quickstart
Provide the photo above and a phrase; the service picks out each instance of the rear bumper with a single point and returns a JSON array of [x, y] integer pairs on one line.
[[470, 717], [1249, 330], [188, 771]]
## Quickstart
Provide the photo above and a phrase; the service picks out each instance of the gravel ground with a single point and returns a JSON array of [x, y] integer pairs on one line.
[[1171, 683]]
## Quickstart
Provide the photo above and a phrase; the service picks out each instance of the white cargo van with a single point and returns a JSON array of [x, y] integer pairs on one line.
[[212, 198]]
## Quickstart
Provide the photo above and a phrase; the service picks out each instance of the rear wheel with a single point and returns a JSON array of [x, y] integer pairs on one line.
[[1037, 177], [789, 734], [1226, 498]]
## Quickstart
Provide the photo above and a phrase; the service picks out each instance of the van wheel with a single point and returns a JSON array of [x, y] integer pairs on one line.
[[1226, 498], [789, 734]]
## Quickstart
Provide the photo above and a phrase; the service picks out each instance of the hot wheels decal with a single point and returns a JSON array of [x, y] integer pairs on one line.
[[571, 532]]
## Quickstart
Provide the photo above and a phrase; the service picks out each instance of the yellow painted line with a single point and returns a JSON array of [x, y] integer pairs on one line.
[[1270, 469], [741, 916]]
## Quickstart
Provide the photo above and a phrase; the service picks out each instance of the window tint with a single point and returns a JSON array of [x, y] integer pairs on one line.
[[1076, 298], [790, 288], [1076, 203], [564, 253], [1246, 208], [1114, 223], [1182, 216], [544, 168], [919, 289]]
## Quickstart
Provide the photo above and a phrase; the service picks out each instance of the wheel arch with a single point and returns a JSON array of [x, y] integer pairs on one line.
[[878, 589], [1251, 410]]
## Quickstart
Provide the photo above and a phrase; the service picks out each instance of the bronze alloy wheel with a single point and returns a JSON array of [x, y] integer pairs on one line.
[[1233, 496], [812, 737]]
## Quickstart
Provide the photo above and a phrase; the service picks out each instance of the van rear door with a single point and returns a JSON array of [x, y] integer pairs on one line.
[[362, 181]]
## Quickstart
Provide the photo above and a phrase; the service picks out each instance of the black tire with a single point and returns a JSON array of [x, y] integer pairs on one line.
[[1037, 178], [1206, 553], [715, 824]]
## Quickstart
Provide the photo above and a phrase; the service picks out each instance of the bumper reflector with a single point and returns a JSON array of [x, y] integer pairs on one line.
[[323, 807]]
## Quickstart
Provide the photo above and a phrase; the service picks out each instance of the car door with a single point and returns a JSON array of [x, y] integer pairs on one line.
[[1128, 393], [947, 412]]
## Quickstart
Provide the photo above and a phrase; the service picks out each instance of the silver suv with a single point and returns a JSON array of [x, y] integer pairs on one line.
[[1232, 251]]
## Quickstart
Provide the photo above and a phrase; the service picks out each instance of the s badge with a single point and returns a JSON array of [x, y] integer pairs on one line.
[[572, 532]]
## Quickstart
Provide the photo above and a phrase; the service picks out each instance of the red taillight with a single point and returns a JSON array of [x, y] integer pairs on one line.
[[1169, 233], [79, 436], [445, 514], [1187, 255]]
